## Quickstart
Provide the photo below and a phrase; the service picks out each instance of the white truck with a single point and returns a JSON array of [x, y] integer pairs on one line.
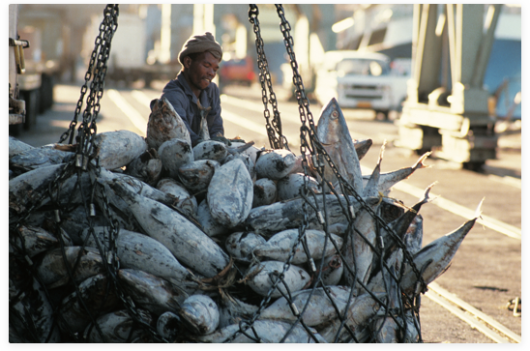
[[362, 80], [128, 57]]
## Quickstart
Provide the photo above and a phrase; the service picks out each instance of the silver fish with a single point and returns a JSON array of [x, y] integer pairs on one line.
[[183, 199], [414, 236], [16, 334], [434, 258], [98, 298], [322, 305], [209, 225], [140, 187], [401, 224], [359, 312], [266, 331], [165, 124], [121, 208], [210, 150], [398, 230], [241, 244], [31, 240], [333, 133], [37, 157], [264, 192], [357, 250], [412, 324], [147, 167], [389, 179], [117, 149], [332, 269], [362, 147], [174, 154], [262, 276], [245, 148], [291, 185], [31, 316], [17, 146], [275, 164], [75, 221], [394, 261], [139, 251], [118, 327], [167, 326], [233, 311], [290, 214], [30, 187], [150, 292], [196, 175], [186, 242], [200, 313], [371, 187], [247, 161], [387, 329], [204, 132], [280, 245], [52, 270], [230, 194]]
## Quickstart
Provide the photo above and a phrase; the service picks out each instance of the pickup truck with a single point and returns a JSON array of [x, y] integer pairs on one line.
[[362, 80]]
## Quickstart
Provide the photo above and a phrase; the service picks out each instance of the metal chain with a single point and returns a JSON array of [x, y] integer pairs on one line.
[[276, 138], [318, 152], [97, 67]]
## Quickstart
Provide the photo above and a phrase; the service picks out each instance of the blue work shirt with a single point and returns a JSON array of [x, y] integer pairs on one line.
[[184, 101]]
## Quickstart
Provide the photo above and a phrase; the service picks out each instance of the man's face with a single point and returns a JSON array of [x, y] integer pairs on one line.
[[202, 70]]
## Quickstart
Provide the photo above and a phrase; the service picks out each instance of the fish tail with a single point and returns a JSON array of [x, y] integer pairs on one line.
[[478, 211], [426, 196], [419, 164], [242, 148], [381, 152]]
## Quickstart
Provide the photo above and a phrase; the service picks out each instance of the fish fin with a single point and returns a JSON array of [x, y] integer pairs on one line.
[[419, 164]]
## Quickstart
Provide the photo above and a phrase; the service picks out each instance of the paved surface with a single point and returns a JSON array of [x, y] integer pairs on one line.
[[486, 272]]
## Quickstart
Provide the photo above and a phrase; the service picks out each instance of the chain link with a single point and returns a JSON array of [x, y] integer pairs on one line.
[[97, 68], [276, 139]]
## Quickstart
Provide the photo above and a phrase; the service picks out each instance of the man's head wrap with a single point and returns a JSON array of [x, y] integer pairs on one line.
[[201, 43]]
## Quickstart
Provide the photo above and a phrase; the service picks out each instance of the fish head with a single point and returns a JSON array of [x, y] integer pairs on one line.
[[332, 128], [162, 109]]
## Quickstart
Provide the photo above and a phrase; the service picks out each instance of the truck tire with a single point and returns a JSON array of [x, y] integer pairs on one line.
[[381, 114], [46, 92], [32, 99]]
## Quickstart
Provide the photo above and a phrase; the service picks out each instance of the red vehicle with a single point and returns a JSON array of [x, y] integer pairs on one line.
[[237, 71]]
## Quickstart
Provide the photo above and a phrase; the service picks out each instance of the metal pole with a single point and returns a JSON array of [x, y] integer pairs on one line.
[[485, 47]]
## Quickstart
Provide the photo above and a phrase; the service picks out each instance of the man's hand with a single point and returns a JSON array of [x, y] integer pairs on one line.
[[222, 139], [197, 142]]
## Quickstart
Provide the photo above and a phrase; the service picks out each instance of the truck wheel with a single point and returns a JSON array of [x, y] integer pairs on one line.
[[148, 79], [46, 92], [32, 99], [381, 114]]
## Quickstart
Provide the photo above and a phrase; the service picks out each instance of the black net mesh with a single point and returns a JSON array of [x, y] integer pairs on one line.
[[340, 278]]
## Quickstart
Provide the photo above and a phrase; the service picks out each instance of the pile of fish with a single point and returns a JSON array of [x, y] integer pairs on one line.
[[155, 240]]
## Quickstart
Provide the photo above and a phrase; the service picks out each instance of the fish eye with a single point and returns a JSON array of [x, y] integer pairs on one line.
[[334, 114]]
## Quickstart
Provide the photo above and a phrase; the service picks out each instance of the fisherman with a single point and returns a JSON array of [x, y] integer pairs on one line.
[[192, 92]]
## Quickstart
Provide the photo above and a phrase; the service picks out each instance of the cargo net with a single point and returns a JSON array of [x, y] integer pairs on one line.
[[117, 238]]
